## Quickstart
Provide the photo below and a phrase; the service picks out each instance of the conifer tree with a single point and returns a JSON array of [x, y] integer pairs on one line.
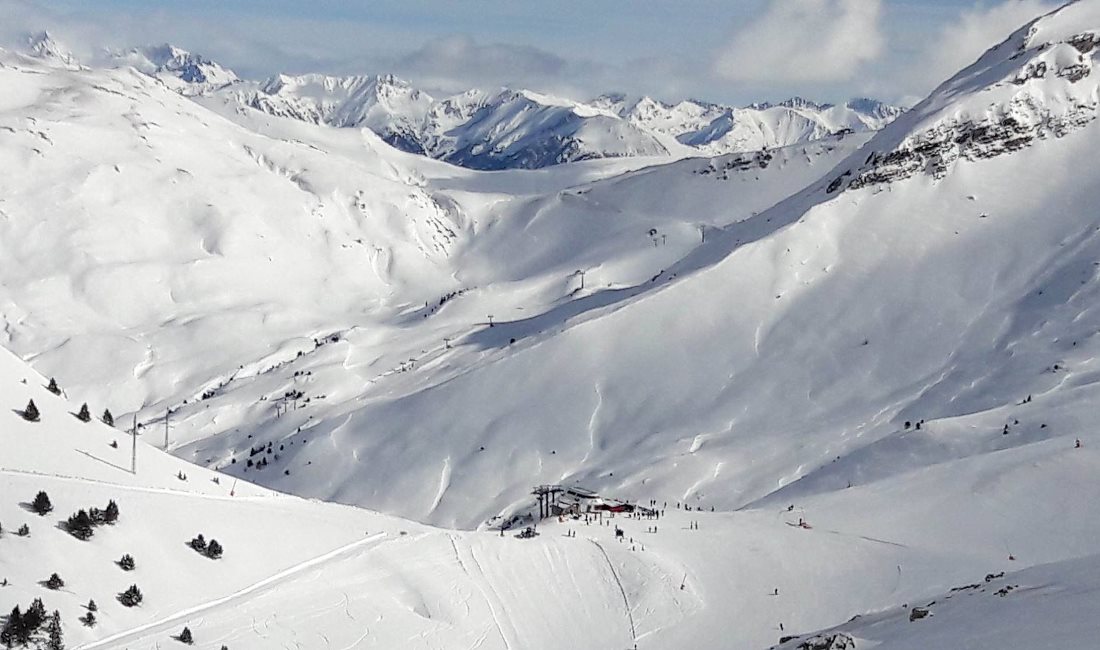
[[199, 543], [31, 414], [131, 597], [126, 562], [53, 631], [53, 387], [92, 607], [35, 616], [214, 550], [13, 628], [88, 619], [185, 636], [108, 419], [23, 531], [110, 515], [84, 415], [41, 504], [79, 525], [55, 582]]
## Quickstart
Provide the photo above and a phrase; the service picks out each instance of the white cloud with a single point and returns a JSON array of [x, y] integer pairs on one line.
[[962, 41], [804, 40]]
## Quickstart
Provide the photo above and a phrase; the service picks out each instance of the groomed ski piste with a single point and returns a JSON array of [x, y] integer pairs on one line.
[[858, 380]]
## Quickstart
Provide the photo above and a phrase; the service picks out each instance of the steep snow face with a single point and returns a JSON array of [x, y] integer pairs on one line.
[[1041, 83], [186, 73], [385, 104], [525, 130], [139, 219]]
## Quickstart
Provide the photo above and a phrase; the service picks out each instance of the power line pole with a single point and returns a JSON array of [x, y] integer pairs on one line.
[[133, 448]]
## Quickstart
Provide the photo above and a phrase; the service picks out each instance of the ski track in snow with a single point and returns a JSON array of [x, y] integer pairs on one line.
[[139, 632], [619, 583], [492, 599], [138, 488]]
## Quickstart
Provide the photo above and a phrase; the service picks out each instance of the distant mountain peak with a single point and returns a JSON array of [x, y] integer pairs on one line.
[[42, 45]]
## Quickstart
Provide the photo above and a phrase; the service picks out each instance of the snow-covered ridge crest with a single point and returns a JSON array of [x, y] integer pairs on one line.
[[483, 130], [1040, 83], [185, 72]]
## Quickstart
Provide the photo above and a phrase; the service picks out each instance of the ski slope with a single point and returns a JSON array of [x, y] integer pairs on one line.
[[890, 338]]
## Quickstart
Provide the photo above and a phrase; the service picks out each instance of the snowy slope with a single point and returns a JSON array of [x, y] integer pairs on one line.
[[323, 575], [131, 212], [891, 337]]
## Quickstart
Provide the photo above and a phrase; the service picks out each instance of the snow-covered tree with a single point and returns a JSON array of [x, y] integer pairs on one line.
[[53, 387], [84, 415], [214, 550], [107, 418], [185, 636], [126, 562]]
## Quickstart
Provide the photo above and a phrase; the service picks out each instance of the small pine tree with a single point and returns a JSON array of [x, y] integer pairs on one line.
[[92, 607], [35, 616], [13, 628], [53, 631], [41, 504], [24, 531], [79, 525], [31, 414], [84, 415], [132, 597], [214, 550], [53, 387], [88, 619], [108, 419], [55, 582], [110, 515], [126, 562], [185, 636], [199, 543]]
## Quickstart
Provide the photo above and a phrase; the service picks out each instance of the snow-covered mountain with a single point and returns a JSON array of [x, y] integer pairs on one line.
[[511, 128], [715, 129], [856, 375], [184, 72]]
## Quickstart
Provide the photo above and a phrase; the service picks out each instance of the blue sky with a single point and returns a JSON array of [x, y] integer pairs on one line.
[[735, 51]]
